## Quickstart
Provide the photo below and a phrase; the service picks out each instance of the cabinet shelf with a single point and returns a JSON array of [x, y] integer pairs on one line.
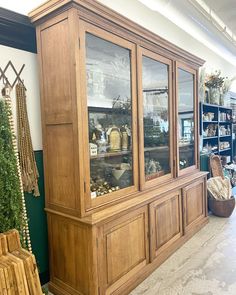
[[208, 122], [210, 137], [107, 110], [183, 145], [225, 136], [225, 150], [225, 122], [111, 154], [150, 149]]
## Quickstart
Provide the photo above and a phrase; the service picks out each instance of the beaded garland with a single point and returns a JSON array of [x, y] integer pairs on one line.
[[25, 231]]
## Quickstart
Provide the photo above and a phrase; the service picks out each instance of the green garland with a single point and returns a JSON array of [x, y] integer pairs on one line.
[[10, 193]]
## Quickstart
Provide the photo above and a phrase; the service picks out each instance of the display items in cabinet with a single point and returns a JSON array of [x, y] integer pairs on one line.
[[110, 115], [155, 117], [208, 116], [93, 149], [100, 187], [224, 130], [210, 130], [209, 148], [183, 164], [224, 145], [225, 116], [153, 169], [186, 118]]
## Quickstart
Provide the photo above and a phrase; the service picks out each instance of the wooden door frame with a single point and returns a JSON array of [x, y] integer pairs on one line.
[[167, 177], [107, 36], [194, 72]]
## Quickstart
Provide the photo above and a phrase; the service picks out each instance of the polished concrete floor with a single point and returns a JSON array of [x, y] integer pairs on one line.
[[205, 265]]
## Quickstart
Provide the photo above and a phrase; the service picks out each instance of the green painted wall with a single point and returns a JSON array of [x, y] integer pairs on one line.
[[38, 223], [204, 162]]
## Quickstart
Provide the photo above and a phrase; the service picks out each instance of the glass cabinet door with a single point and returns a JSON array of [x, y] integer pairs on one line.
[[110, 114], [156, 118], [187, 139]]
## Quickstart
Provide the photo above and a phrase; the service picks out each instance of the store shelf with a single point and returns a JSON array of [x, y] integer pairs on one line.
[[225, 150], [210, 137], [220, 112]]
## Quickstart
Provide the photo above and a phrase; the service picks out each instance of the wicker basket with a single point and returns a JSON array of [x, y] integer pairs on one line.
[[221, 208]]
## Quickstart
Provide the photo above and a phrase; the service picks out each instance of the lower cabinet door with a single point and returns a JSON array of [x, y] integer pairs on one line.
[[194, 204], [123, 250], [165, 222]]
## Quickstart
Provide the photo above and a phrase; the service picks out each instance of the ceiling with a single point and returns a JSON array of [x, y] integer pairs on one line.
[[226, 10], [184, 14]]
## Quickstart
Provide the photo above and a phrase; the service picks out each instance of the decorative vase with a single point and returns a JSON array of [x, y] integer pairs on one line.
[[124, 140], [214, 94], [222, 99], [115, 139]]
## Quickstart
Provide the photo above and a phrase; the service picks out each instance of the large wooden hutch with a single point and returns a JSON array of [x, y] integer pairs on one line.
[[120, 140]]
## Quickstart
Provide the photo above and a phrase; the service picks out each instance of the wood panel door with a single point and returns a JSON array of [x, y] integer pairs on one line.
[[187, 152], [194, 204], [165, 222], [123, 249]]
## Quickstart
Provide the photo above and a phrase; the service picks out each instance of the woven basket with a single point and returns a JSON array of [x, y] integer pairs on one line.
[[221, 208]]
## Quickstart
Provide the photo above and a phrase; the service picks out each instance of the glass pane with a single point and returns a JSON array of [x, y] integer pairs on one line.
[[110, 116], [186, 119], [155, 118]]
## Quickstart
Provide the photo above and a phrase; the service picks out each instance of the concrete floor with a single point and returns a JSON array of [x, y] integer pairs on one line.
[[205, 265]]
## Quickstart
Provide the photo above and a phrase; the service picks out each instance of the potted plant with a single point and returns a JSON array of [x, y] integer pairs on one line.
[[214, 83]]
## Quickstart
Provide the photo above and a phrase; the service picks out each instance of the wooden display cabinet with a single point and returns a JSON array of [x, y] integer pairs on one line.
[[120, 141]]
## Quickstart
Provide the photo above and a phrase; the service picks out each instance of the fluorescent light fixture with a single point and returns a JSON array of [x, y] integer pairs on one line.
[[177, 17], [204, 9]]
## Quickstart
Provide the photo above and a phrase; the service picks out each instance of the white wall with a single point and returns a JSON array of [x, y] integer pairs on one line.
[[163, 27], [30, 77]]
